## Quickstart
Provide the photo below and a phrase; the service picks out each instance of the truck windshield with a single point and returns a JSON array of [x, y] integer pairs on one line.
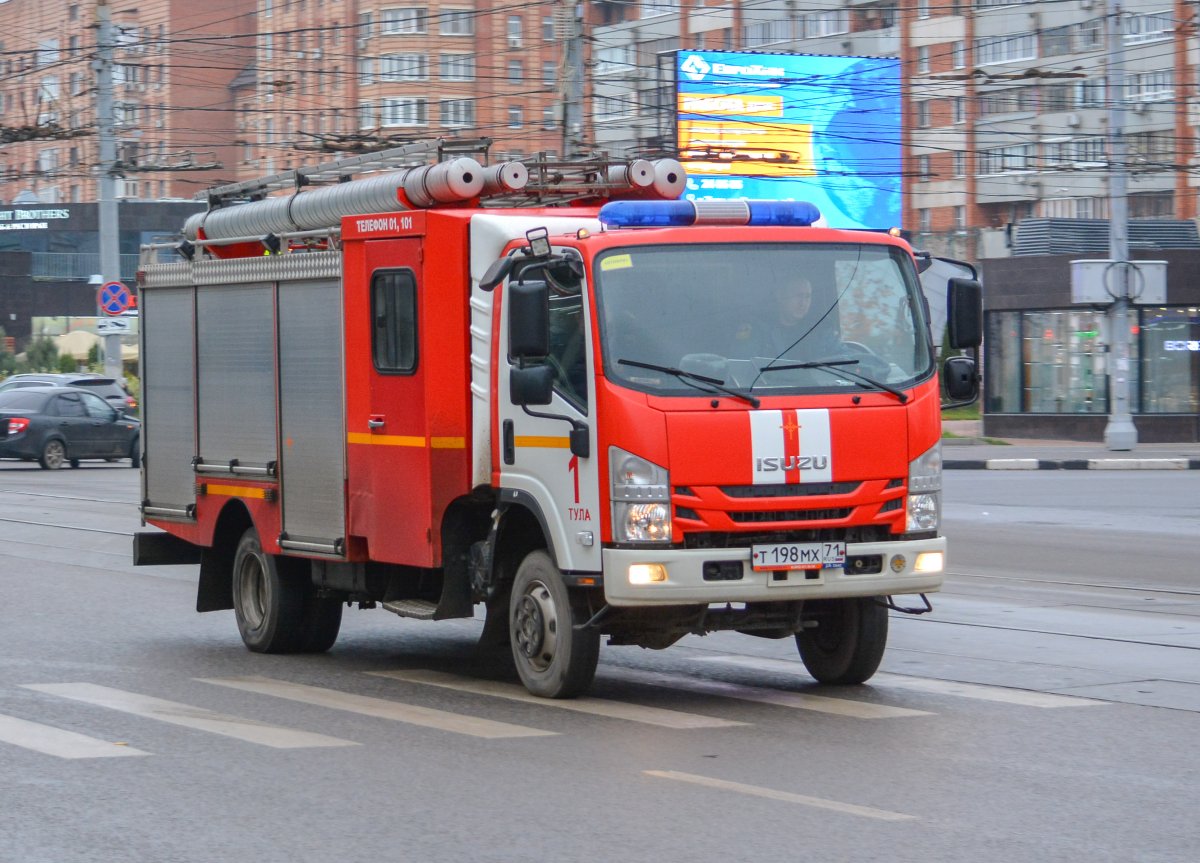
[[761, 318]]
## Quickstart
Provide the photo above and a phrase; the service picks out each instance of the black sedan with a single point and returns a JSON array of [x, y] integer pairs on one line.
[[63, 424]]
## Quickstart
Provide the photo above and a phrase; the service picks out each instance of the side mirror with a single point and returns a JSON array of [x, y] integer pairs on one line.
[[531, 385], [528, 320], [964, 313], [960, 380]]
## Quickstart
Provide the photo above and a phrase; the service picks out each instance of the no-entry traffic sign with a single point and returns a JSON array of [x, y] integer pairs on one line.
[[114, 298]]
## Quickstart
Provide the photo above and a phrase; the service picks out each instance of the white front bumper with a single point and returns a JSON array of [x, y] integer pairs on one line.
[[685, 582]]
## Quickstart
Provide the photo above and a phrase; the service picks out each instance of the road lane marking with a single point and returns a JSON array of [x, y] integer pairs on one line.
[[763, 695], [785, 796], [380, 708], [977, 691], [59, 742], [198, 718], [596, 706]]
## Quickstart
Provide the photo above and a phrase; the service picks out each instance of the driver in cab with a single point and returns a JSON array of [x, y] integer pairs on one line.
[[792, 325]]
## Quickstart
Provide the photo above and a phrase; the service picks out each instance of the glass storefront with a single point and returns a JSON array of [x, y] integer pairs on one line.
[[1054, 361]]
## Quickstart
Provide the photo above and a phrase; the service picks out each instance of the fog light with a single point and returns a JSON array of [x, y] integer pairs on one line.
[[898, 563], [929, 561], [647, 573]]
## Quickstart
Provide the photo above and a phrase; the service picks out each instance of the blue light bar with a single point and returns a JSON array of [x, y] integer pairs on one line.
[[666, 214]]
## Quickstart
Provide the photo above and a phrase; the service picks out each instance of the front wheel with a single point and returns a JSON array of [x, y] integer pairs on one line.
[[847, 644], [553, 658]]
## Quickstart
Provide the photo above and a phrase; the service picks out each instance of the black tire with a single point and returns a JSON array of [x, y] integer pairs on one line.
[[322, 618], [553, 658], [135, 453], [54, 454], [269, 604], [74, 462], [848, 642]]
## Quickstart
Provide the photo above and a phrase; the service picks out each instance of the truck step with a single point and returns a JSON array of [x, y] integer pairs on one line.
[[421, 609]]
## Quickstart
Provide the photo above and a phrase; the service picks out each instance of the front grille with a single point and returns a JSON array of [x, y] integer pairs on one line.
[[804, 489], [791, 515]]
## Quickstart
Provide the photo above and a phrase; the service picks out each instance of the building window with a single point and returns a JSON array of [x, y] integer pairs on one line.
[[549, 73], [1003, 160], [923, 8], [960, 218], [924, 169], [767, 33], [403, 67], [403, 112], [513, 30], [457, 67], [1170, 360], [831, 22], [516, 71], [924, 221], [958, 109], [958, 55], [1005, 49], [515, 117], [548, 29], [923, 114], [654, 8], [1149, 27], [960, 163], [402, 21], [550, 117], [923, 60], [458, 112], [457, 22]]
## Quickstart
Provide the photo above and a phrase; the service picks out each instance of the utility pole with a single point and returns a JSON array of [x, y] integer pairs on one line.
[[110, 243], [1120, 433], [573, 11]]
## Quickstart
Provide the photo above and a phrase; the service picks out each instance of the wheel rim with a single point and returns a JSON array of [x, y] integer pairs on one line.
[[536, 626], [55, 454], [252, 591]]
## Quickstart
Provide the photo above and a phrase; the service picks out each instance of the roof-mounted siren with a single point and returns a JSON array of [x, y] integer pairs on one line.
[[310, 209]]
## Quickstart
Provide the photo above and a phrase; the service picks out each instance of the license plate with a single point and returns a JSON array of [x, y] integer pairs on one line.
[[798, 555]]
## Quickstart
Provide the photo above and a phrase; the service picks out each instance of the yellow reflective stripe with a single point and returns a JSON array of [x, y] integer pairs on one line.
[[236, 490], [385, 439], [407, 440], [545, 441]]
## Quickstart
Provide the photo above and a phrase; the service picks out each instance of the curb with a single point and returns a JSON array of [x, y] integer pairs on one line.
[[1073, 464]]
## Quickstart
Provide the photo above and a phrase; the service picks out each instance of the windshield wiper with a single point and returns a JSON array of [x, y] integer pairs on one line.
[[835, 367], [693, 379]]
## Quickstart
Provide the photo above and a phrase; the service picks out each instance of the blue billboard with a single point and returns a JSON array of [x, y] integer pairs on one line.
[[794, 127]]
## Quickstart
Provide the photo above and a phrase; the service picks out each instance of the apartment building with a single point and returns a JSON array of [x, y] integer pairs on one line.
[[1006, 103], [346, 76], [172, 64]]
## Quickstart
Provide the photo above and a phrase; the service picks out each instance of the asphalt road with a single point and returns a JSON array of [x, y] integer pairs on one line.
[[1046, 711]]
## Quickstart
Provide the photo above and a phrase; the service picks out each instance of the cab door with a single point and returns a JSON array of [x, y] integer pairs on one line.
[[536, 457], [81, 432], [389, 458]]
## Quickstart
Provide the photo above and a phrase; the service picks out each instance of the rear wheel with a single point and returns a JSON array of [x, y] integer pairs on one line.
[[54, 454], [847, 644], [135, 453], [277, 608], [553, 658]]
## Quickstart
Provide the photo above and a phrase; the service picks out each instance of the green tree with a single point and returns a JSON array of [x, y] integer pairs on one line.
[[42, 356], [67, 364], [93, 359]]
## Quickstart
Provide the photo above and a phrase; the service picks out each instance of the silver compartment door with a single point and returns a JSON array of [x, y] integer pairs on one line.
[[236, 353], [312, 414], [169, 397]]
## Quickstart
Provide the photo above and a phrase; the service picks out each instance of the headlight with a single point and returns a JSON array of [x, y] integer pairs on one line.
[[641, 498], [925, 490]]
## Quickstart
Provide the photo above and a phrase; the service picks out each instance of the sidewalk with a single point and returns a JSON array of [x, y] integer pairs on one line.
[[970, 451]]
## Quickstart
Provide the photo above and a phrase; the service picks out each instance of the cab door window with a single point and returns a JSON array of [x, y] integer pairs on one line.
[[394, 321], [568, 348]]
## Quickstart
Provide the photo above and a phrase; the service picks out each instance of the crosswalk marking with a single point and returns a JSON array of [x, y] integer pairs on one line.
[[762, 695], [785, 796], [379, 707], [596, 706], [979, 692], [249, 730], [59, 742]]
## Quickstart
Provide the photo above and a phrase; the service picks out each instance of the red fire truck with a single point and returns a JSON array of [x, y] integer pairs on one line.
[[551, 389]]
